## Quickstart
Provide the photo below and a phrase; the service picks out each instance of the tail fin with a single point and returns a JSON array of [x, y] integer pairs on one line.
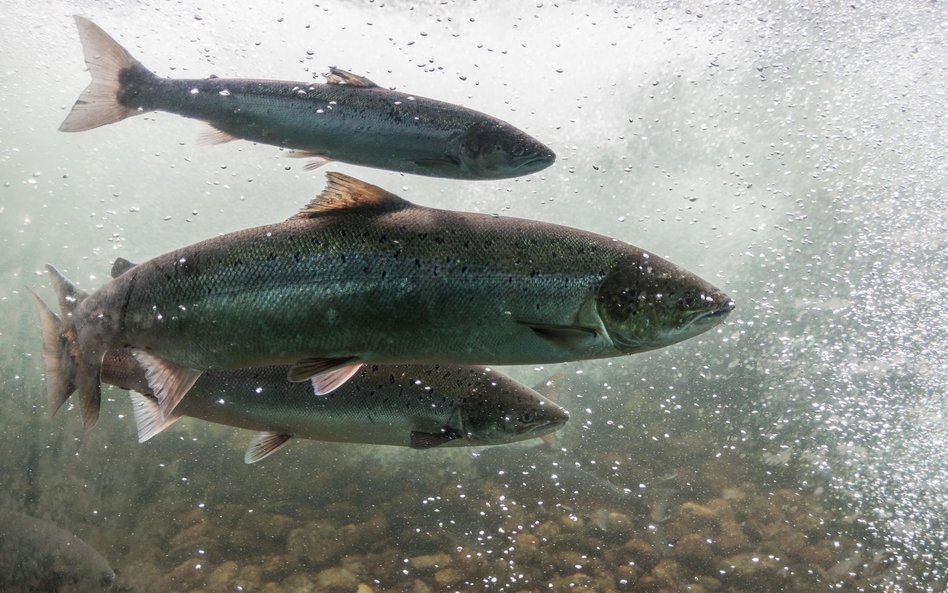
[[60, 368], [99, 104], [72, 369]]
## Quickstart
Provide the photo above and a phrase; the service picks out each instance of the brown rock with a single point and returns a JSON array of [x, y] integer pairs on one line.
[[693, 549], [299, 583], [448, 576], [429, 562], [220, 578], [753, 571], [190, 534], [526, 542], [639, 553], [337, 580], [186, 575]]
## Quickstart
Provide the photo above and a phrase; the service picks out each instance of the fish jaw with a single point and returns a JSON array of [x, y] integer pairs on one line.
[[646, 302]]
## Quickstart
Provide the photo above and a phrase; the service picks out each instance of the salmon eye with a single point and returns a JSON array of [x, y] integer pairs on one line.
[[518, 149], [528, 416]]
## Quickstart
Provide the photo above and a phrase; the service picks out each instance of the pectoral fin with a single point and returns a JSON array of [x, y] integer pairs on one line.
[[326, 373], [168, 382], [265, 444], [149, 420], [442, 161], [214, 135], [316, 160], [429, 440], [328, 382], [567, 337]]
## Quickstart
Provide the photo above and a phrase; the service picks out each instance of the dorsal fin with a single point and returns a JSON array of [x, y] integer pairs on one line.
[[120, 266], [344, 192], [340, 76]]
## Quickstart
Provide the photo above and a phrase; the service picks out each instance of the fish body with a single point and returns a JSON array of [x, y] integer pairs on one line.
[[362, 276], [404, 405], [350, 119], [39, 557]]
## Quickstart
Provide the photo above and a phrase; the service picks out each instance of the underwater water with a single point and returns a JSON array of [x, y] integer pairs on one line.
[[792, 154]]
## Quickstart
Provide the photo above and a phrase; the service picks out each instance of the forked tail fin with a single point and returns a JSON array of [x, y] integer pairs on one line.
[[68, 368], [111, 66], [60, 368]]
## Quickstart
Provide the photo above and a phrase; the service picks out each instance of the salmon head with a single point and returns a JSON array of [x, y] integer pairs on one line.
[[645, 302]]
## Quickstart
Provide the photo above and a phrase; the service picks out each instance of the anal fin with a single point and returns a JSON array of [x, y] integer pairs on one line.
[[168, 381], [265, 444]]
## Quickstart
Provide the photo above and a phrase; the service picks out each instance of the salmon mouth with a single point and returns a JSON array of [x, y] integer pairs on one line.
[[537, 161], [717, 315]]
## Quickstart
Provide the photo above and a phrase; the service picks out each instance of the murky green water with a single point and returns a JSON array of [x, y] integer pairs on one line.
[[794, 156]]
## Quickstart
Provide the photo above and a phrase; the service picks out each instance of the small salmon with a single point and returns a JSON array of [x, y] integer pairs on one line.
[[413, 406], [361, 275], [350, 119]]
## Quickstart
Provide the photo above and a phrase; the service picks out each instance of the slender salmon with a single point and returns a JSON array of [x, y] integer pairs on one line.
[[414, 406], [350, 119]]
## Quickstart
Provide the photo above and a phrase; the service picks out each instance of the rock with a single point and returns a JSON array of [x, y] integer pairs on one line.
[[419, 586], [190, 534], [574, 583], [337, 580], [220, 578], [363, 588], [639, 553], [730, 538], [448, 576], [299, 583], [272, 587], [821, 554], [316, 544], [186, 575], [696, 516], [251, 572], [429, 562], [526, 542], [276, 525], [694, 549], [752, 571], [191, 517], [669, 575]]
